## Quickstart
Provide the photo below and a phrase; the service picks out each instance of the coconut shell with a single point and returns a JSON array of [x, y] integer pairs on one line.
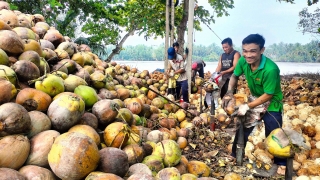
[[40, 148], [68, 150], [66, 112], [11, 42], [168, 122], [88, 131], [39, 122], [36, 172], [115, 135], [9, 17], [14, 119], [96, 175], [9, 174], [7, 90], [3, 25], [198, 168], [14, 151], [113, 160], [134, 152], [54, 37], [89, 119], [105, 110], [32, 99], [26, 70]]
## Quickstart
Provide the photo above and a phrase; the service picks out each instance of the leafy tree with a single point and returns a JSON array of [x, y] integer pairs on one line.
[[310, 22], [103, 21]]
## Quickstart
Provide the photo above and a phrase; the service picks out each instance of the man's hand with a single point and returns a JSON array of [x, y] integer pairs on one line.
[[243, 108], [226, 99]]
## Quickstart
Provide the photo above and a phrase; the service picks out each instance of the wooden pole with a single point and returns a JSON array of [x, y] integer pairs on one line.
[[172, 23], [190, 42], [166, 43]]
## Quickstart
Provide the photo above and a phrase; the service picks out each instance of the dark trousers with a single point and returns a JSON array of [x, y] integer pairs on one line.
[[270, 122], [173, 92], [182, 86], [224, 88]]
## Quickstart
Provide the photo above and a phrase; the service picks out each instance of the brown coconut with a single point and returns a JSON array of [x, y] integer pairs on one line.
[[105, 110], [68, 150], [14, 151], [135, 153], [40, 147], [113, 160], [89, 119], [9, 17], [36, 172], [14, 119], [9, 174], [39, 122], [11, 42], [8, 91]]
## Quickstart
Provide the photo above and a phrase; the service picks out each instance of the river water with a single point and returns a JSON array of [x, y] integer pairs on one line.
[[285, 67]]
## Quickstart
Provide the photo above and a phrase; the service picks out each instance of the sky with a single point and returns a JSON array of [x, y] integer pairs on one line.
[[277, 22]]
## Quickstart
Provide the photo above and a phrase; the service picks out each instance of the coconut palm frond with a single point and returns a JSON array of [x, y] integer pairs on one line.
[[82, 40]]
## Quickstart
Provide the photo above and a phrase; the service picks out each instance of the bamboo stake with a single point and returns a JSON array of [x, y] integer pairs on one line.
[[167, 37], [190, 42]]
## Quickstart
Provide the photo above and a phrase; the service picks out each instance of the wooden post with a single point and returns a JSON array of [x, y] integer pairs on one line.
[[172, 23], [190, 42], [166, 43]]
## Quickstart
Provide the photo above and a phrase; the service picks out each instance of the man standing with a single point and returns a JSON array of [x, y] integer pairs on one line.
[[179, 66], [263, 77], [227, 63]]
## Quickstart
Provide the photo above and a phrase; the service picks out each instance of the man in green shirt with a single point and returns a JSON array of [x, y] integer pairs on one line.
[[263, 78]]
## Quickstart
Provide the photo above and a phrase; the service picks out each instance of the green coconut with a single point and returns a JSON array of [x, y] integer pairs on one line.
[[170, 152], [154, 162], [4, 59], [8, 73], [88, 94], [73, 81], [171, 173], [51, 85]]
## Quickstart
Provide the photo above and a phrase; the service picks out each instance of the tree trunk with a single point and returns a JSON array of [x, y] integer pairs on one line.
[[119, 45], [183, 26]]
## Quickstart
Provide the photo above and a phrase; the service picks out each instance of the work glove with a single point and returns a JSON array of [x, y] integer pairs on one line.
[[243, 108], [186, 51], [226, 99]]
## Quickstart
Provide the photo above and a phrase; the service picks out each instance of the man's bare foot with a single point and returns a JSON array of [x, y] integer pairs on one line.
[[281, 170]]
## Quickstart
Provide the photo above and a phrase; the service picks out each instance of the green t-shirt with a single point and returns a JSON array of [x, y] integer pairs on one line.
[[265, 79]]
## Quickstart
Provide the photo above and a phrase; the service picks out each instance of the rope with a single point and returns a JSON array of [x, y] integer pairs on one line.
[[212, 31]]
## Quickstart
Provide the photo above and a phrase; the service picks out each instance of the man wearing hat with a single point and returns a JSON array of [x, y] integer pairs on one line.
[[177, 70], [198, 67]]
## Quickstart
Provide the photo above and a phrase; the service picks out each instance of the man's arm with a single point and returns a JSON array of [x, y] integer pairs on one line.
[[235, 61], [233, 83], [260, 100], [218, 69], [179, 71]]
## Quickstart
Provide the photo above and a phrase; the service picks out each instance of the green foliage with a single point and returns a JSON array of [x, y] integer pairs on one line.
[[98, 49], [310, 22]]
